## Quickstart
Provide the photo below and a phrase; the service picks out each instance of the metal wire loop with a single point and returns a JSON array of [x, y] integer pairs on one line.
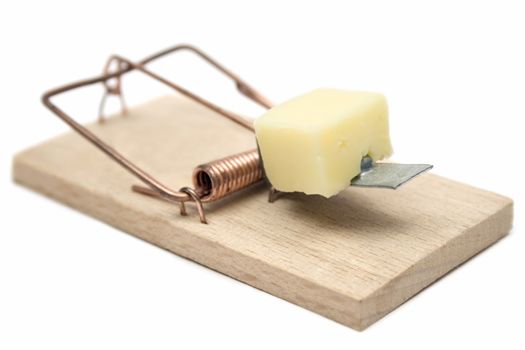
[[196, 198], [112, 90], [153, 186]]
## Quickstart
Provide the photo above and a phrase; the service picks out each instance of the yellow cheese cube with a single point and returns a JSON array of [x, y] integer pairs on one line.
[[314, 143]]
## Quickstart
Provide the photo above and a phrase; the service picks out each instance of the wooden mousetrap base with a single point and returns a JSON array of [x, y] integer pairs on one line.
[[352, 258]]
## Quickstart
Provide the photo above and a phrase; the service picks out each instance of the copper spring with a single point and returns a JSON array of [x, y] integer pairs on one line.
[[222, 177]]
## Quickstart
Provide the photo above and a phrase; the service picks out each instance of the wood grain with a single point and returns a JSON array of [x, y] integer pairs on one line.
[[352, 258]]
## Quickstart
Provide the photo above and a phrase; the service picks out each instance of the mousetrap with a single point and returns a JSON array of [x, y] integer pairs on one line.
[[352, 258]]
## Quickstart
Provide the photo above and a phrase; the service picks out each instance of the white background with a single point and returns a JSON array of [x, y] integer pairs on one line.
[[454, 74]]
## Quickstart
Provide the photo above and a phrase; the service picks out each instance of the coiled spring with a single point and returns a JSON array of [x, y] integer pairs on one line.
[[219, 178]]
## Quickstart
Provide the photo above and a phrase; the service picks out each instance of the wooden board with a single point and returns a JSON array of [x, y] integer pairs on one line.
[[352, 258]]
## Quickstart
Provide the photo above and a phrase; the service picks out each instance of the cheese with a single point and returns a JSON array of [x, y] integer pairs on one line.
[[314, 143]]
